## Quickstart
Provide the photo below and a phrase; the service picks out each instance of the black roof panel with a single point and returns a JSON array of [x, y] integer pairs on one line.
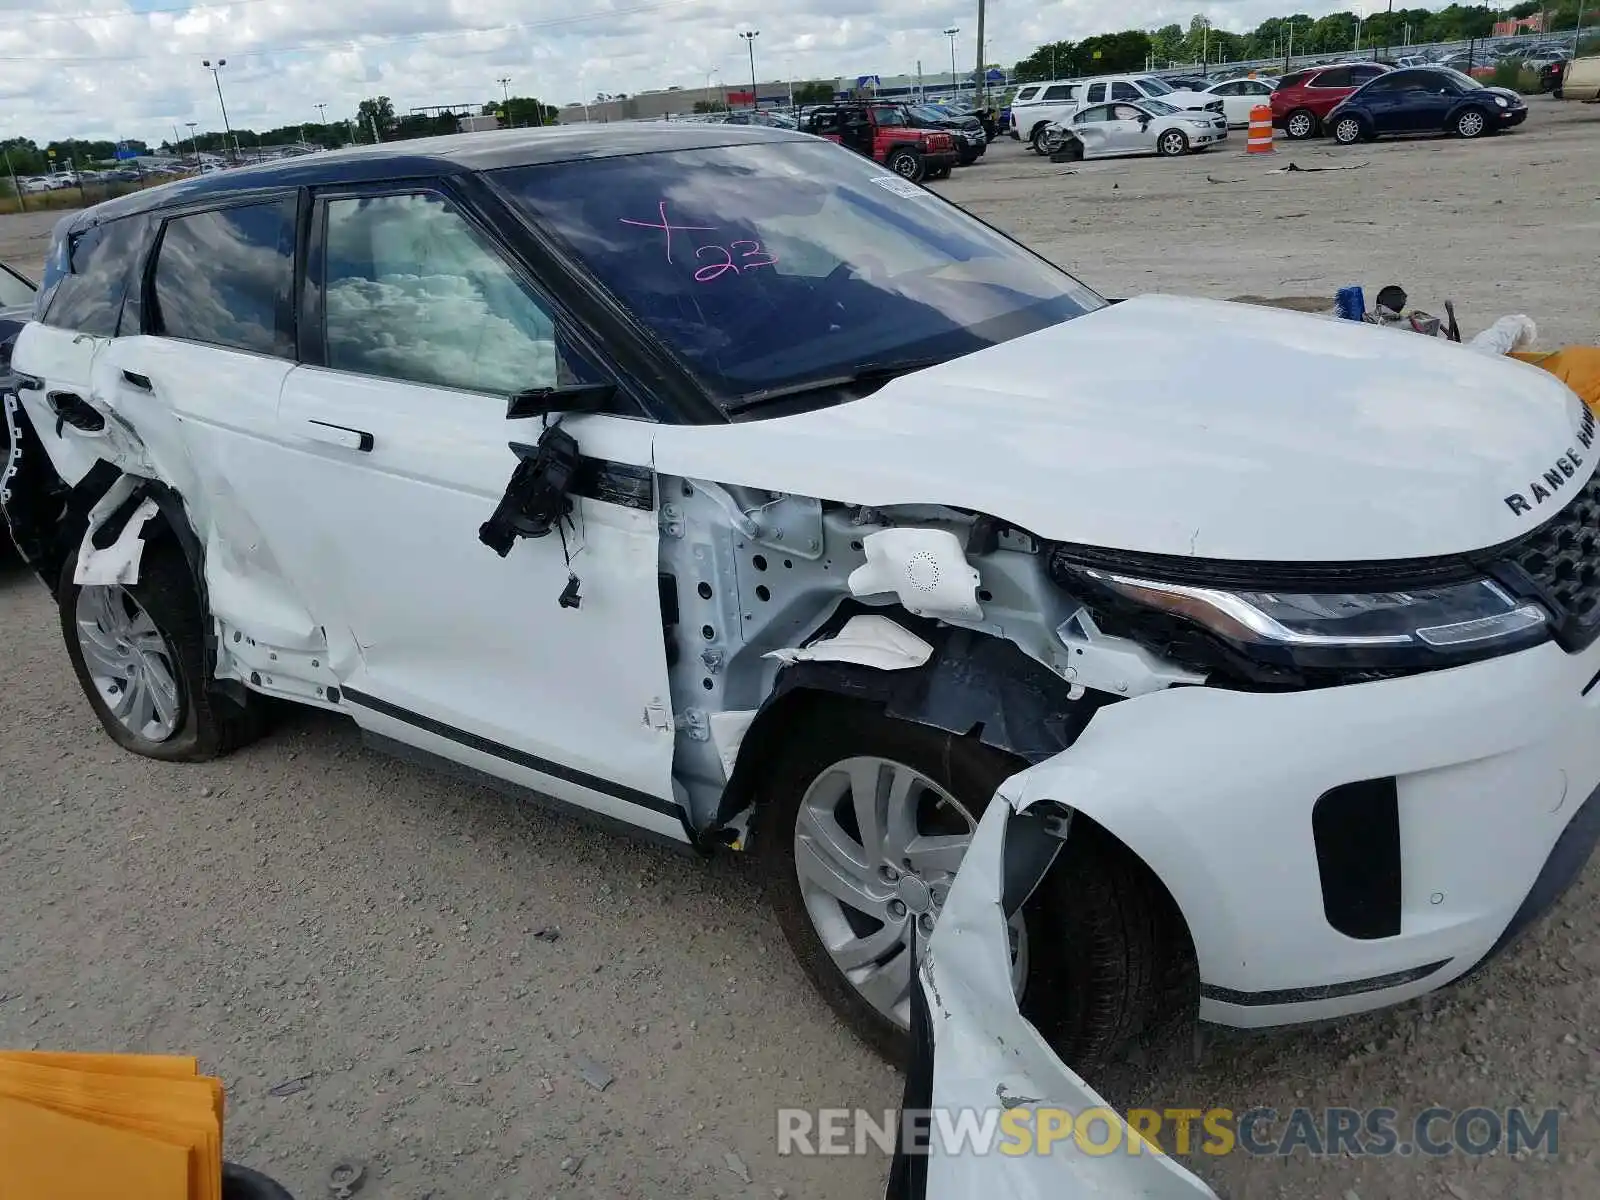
[[450, 155]]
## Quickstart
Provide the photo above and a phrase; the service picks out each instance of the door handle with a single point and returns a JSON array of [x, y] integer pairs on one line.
[[341, 435], [142, 382]]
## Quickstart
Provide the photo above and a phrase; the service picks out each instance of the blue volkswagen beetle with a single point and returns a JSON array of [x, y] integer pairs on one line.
[[1425, 100]]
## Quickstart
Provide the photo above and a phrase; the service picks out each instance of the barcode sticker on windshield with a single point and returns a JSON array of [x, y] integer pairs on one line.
[[900, 187]]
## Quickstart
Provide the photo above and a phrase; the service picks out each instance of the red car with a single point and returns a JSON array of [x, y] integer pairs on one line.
[[1304, 99], [884, 132]]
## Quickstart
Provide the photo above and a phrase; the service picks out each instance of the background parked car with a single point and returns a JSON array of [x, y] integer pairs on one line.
[[1025, 120], [1149, 127], [1302, 100], [968, 133], [1239, 96], [1581, 79], [1425, 100], [1136, 88]]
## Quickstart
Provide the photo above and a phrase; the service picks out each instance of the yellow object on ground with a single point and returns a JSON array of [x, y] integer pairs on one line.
[[94, 1126], [1576, 366]]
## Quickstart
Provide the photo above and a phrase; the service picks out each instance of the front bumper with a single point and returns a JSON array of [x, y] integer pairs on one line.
[[1485, 766], [933, 160], [1510, 118]]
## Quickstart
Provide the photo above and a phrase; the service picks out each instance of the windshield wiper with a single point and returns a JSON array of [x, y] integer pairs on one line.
[[872, 372]]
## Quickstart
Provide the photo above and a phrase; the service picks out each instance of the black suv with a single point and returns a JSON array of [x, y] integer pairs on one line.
[[970, 139]]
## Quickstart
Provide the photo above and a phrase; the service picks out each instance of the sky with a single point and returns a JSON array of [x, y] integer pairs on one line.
[[133, 68]]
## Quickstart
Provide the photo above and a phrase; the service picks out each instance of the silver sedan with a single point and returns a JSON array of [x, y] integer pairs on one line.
[[1148, 127]]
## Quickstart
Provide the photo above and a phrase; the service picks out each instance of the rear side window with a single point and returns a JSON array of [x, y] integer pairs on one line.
[[1061, 91], [226, 278], [1291, 81], [95, 267], [1026, 94], [1338, 77]]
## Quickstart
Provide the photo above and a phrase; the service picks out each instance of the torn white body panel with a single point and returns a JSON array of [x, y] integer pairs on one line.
[[119, 562], [1215, 791], [988, 1059], [868, 641]]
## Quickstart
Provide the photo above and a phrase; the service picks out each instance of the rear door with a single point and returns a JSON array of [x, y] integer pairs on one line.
[[86, 284]]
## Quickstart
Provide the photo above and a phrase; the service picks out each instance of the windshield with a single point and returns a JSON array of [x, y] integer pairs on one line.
[[767, 266], [1462, 80], [926, 112], [1160, 107], [1154, 87]]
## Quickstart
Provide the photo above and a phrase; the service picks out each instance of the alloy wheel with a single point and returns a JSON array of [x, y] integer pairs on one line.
[[1348, 131], [1172, 144], [1471, 124], [1300, 125], [876, 848], [133, 669]]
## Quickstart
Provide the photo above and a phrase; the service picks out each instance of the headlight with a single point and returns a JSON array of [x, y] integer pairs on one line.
[[1502, 102], [1429, 626]]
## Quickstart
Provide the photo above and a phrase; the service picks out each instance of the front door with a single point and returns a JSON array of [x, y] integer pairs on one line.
[[1128, 130], [546, 667]]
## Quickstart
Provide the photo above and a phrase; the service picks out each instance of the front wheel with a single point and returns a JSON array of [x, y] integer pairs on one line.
[[1300, 125], [907, 164], [1471, 124], [1051, 139], [1172, 143], [859, 837], [1347, 131]]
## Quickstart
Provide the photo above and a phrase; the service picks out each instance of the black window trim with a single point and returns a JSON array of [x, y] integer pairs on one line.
[[149, 307], [313, 344]]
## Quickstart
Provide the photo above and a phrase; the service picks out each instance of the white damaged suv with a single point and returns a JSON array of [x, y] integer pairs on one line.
[[713, 482]]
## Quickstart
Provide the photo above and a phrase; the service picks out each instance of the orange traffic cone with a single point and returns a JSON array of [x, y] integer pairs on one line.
[[1260, 138]]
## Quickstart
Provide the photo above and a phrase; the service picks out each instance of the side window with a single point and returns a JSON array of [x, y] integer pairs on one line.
[[1127, 112], [95, 268], [1360, 74], [1337, 77], [1025, 95], [412, 291], [226, 278], [1097, 94], [1093, 115], [1125, 91], [1061, 91]]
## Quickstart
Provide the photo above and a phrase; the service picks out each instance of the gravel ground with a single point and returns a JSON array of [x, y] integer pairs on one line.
[[389, 965]]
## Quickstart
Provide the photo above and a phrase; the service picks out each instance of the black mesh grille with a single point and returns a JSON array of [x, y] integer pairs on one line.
[[1562, 558]]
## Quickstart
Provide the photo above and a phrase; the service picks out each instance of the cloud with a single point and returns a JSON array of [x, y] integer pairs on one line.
[[132, 68]]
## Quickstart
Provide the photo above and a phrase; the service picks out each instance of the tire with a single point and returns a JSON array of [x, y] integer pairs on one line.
[[161, 616], [1036, 138], [1470, 123], [907, 164], [1301, 124], [1347, 131], [1090, 938], [1172, 144], [1051, 140]]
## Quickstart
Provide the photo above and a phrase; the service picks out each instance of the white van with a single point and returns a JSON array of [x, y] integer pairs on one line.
[[1026, 117]]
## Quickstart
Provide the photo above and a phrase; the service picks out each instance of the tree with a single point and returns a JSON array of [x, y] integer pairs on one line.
[[1109, 53], [1049, 61], [816, 91], [376, 114], [1166, 44]]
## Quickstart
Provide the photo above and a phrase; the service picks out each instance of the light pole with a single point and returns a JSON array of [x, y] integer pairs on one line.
[[750, 36], [951, 34], [216, 75]]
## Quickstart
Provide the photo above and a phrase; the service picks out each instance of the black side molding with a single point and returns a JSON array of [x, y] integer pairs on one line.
[[1324, 991], [511, 754]]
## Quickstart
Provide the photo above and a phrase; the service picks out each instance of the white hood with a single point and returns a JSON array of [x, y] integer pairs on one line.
[[1192, 427]]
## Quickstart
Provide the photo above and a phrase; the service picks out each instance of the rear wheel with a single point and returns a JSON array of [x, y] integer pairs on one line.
[[138, 652], [1172, 143], [1300, 124], [907, 164], [1347, 131], [859, 837], [1471, 123]]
